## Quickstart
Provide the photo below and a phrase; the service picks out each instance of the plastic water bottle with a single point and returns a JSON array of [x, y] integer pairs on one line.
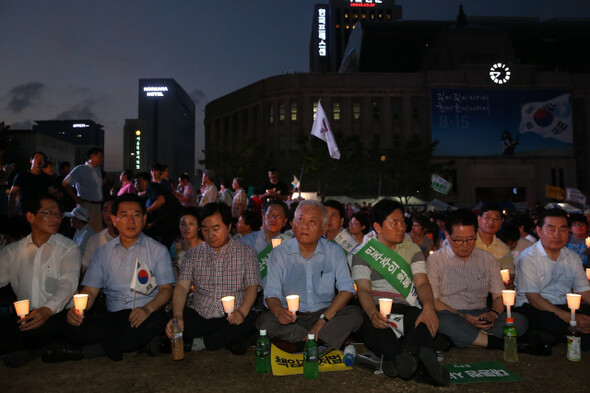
[[310, 358], [574, 343], [510, 347], [176, 341], [348, 355], [262, 353]]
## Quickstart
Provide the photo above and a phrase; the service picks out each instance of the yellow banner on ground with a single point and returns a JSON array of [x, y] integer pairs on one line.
[[554, 192], [285, 363]]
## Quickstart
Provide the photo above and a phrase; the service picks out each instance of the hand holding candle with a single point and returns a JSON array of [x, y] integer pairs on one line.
[[80, 303], [385, 306], [228, 304], [22, 308], [293, 303]]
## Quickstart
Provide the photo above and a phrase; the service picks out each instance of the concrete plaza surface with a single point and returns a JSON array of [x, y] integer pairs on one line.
[[221, 371]]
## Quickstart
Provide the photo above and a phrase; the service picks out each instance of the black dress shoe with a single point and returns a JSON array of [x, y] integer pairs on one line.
[[406, 365], [388, 367], [533, 347], [430, 371], [239, 346], [62, 353]]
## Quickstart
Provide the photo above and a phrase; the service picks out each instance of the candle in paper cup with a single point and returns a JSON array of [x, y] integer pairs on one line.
[[573, 301], [588, 273], [80, 302], [22, 308], [505, 275], [508, 297], [293, 303], [228, 304], [588, 242], [385, 306], [276, 242]]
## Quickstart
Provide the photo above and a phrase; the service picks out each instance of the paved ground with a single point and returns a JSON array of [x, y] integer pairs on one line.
[[222, 372]]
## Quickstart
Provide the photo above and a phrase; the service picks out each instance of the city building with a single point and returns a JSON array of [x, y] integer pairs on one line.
[[503, 102], [164, 130]]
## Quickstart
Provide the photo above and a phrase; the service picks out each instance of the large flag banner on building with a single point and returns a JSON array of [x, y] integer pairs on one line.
[[575, 195], [321, 129], [441, 185], [549, 119], [143, 280]]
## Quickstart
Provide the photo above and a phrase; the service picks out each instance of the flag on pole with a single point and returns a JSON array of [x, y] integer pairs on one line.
[[549, 119], [441, 185], [143, 280], [575, 195], [321, 129]]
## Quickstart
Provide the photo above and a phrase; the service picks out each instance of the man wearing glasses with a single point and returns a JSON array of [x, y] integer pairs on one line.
[[462, 276], [43, 267], [546, 272]]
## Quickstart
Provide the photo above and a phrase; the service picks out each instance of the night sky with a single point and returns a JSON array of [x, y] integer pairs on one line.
[[81, 59]]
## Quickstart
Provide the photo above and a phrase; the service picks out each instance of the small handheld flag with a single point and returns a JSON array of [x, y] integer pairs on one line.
[[143, 280], [321, 129]]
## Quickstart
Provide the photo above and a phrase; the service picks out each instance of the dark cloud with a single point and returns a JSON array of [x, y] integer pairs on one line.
[[23, 96], [199, 97], [78, 111]]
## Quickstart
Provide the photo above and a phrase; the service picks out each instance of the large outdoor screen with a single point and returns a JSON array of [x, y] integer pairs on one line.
[[472, 122]]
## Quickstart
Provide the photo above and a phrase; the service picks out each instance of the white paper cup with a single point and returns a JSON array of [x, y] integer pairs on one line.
[[385, 306], [228, 304], [293, 303], [508, 297], [573, 301], [22, 308]]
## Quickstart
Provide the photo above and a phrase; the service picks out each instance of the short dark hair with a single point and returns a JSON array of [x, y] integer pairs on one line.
[[554, 212], [384, 208], [143, 175], [128, 174], [276, 202], [509, 232], [184, 176], [490, 207], [212, 208], [364, 220], [252, 220], [240, 181], [421, 220], [94, 150], [64, 164], [190, 211], [334, 204], [462, 217], [128, 198], [38, 152], [32, 204], [577, 217]]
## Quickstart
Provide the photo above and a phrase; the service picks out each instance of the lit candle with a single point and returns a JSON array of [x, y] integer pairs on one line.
[[385, 306], [505, 275], [573, 303], [228, 304], [588, 242], [276, 242], [588, 273], [508, 297], [293, 303], [80, 303], [22, 308]]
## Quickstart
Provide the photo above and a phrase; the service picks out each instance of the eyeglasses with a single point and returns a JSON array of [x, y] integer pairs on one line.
[[51, 214], [553, 230], [461, 242], [578, 224], [274, 216]]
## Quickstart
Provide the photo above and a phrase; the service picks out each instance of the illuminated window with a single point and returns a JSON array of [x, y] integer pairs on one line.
[[355, 16], [293, 111], [356, 110], [363, 16], [336, 111], [281, 112]]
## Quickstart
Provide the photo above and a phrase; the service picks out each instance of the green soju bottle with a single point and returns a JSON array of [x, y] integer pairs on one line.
[[262, 353], [310, 358], [510, 347]]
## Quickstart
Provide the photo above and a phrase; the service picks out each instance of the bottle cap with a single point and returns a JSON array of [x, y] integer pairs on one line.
[[509, 320], [311, 336], [263, 332]]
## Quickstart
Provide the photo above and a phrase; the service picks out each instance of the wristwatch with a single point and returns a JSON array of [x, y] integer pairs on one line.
[[323, 316]]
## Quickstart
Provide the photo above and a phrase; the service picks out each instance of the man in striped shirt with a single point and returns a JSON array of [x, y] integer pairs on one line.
[[461, 277]]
